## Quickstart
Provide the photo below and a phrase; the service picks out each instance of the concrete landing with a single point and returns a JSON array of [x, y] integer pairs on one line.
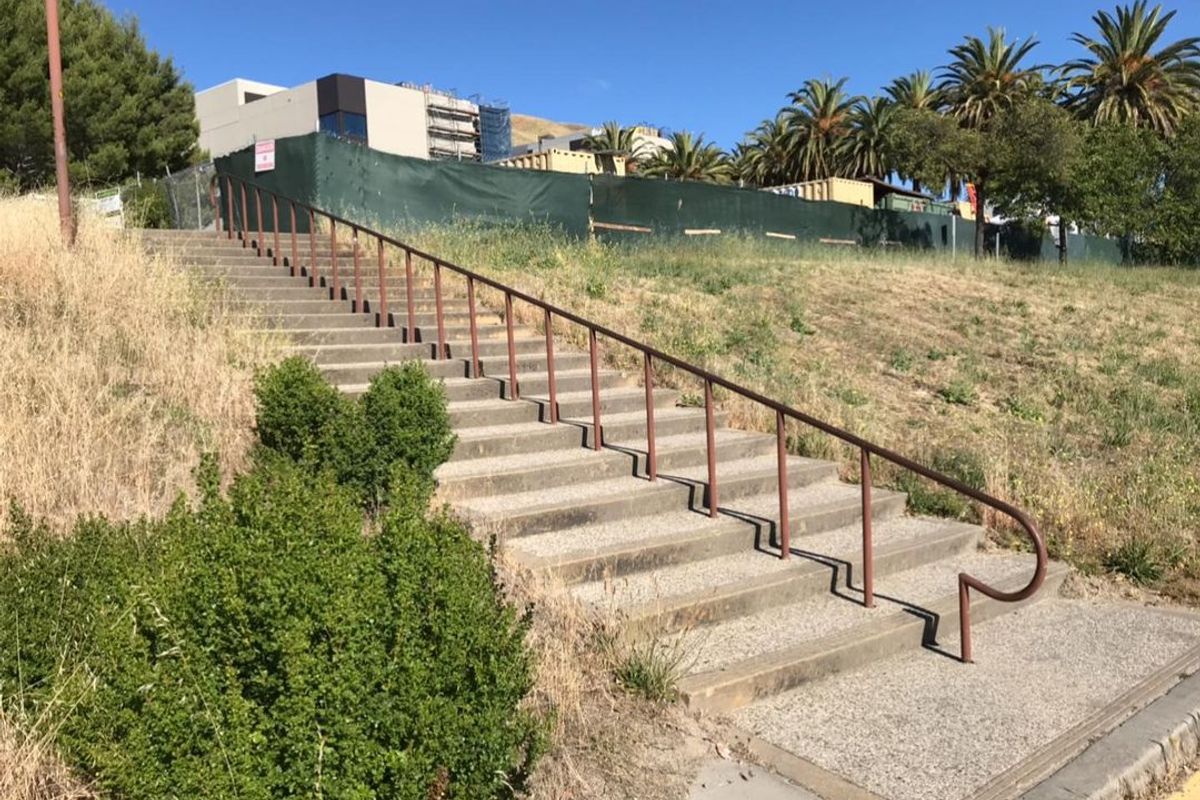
[[922, 725], [732, 780]]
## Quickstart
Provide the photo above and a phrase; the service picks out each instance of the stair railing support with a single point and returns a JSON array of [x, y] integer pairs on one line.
[[258, 212], [295, 260], [651, 446], [514, 391], [785, 531], [333, 264], [439, 311], [381, 320], [594, 358], [552, 384], [710, 432], [358, 297], [229, 208], [275, 224], [868, 548], [474, 330], [244, 227], [408, 293], [313, 273]]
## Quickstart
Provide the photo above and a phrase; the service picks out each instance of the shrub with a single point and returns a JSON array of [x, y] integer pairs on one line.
[[1137, 559], [401, 419], [296, 409], [147, 205], [259, 646], [406, 411]]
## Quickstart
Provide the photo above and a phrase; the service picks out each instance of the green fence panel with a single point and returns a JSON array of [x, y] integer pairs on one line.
[[292, 177], [388, 189]]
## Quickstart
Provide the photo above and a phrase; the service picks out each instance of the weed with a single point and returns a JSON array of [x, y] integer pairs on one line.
[[901, 360], [651, 668], [1137, 559], [958, 393], [1021, 408]]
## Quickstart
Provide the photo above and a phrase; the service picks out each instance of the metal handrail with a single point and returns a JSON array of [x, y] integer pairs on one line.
[[650, 354]]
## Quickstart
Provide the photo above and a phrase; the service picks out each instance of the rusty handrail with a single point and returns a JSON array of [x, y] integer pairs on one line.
[[783, 412]]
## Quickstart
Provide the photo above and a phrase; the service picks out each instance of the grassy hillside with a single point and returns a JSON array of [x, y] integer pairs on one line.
[[116, 373], [1075, 393]]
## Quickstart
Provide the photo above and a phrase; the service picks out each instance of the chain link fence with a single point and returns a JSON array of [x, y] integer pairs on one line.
[[187, 197]]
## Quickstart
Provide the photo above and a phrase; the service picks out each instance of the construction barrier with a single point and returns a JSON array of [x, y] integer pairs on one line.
[[383, 190]]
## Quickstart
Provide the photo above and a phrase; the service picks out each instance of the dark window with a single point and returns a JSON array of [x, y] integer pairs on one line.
[[354, 126], [250, 97], [345, 124]]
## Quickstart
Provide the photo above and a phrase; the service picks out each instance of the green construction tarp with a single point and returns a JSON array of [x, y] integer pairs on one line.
[[380, 189]]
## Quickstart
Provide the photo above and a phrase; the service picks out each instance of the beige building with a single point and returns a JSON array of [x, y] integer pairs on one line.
[[579, 162], [403, 119]]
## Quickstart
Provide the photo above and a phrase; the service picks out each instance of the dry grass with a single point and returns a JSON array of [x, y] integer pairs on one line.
[[604, 743], [117, 372], [1073, 392]]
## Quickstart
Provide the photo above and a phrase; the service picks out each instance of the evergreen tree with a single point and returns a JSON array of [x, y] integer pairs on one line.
[[127, 108]]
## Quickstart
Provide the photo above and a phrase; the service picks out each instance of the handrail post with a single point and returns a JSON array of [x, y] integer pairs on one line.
[[244, 227], [258, 244], [275, 224], [474, 331], [710, 431], [408, 289], [229, 207], [358, 299], [514, 391], [382, 320], [553, 388], [292, 227], [964, 620], [597, 431], [441, 317], [336, 292], [785, 531], [868, 548], [313, 272], [651, 448]]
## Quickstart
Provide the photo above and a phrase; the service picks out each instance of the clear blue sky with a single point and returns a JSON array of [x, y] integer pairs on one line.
[[718, 67]]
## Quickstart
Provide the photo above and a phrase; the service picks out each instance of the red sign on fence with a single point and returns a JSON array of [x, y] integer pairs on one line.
[[264, 155]]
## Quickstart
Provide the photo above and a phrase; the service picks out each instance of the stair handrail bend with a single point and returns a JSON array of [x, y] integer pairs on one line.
[[650, 354]]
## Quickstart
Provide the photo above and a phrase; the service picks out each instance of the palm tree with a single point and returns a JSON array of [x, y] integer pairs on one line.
[[690, 158], [817, 121], [985, 78], [763, 158], [981, 80], [866, 150], [1124, 80], [615, 140], [916, 91]]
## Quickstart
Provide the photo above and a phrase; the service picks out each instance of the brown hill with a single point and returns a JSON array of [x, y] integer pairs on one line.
[[527, 129]]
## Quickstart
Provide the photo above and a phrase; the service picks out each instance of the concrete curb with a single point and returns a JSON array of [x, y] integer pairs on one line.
[[1143, 748], [803, 772]]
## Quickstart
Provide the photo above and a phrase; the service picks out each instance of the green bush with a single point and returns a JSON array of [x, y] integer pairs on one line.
[[147, 205], [401, 419], [259, 646], [406, 412], [297, 408]]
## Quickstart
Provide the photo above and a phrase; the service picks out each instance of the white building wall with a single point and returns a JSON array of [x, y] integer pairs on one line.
[[227, 123], [396, 119]]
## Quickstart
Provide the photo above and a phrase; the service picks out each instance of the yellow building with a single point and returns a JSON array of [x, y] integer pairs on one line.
[[579, 162], [837, 190]]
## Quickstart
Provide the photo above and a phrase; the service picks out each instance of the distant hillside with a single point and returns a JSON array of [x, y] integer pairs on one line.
[[527, 129]]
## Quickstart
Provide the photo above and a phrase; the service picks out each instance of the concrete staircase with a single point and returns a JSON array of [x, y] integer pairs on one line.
[[750, 625]]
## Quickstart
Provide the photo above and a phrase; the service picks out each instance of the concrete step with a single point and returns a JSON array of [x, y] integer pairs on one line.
[[563, 507], [741, 660], [592, 552], [484, 477], [387, 344], [687, 595], [572, 375], [299, 291], [478, 413]]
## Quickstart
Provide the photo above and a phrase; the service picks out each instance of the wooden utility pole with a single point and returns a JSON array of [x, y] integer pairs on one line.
[[65, 217]]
